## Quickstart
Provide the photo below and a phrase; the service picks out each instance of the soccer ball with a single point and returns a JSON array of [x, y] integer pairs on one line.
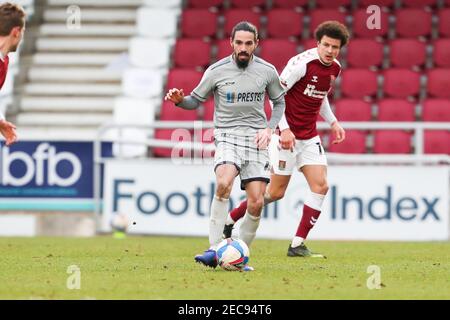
[[120, 222], [232, 254]]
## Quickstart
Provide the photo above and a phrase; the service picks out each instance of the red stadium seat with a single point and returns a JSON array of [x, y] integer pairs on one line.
[[438, 83], [282, 23], [436, 110], [278, 52], [205, 4], [437, 141], [309, 44], [392, 141], [363, 53], [407, 53], [396, 110], [441, 53], [401, 83], [290, 4], [444, 22], [185, 79], [191, 53], [359, 83], [178, 135], [197, 23], [320, 15], [333, 4], [353, 110], [355, 142], [224, 48], [208, 110], [413, 23], [381, 3], [233, 16], [418, 3], [171, 112], [359, 25], [247, 4], [447, 3]]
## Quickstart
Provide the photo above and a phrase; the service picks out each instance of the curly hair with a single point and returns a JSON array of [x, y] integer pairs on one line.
[[332, 29]]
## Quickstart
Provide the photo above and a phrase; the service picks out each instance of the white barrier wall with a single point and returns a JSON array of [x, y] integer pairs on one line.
[[363, 203]]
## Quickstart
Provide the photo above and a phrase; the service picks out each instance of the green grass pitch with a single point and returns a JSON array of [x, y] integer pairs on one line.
[[164, 268]]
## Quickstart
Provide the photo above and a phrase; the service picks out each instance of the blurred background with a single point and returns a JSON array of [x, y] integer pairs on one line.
[[96, 139]]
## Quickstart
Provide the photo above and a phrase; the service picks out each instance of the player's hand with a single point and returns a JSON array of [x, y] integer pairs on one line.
[[262, 138], [287, 139], [338, 132], [8, 130], [175, 95]]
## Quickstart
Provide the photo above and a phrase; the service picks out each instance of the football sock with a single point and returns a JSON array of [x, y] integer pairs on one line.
[[237, 213], [219, 209], [296, 241], [311, 212], [247, 230]]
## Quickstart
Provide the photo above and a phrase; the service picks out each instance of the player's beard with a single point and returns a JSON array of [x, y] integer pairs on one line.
[[242, 64]]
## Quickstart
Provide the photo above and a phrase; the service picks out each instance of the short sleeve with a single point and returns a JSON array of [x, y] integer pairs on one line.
[[205, 87], [293, 72]]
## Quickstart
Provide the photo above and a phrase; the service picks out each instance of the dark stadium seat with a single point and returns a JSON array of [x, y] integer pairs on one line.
[[320, 15], [248, 4], [437, 141], [444, 22], [186, 79], [355, 142], [290, 4], [407, 53], [208, 110], [401, 83], [190, 53], [309, 44], [359, 25], [353, 110], [436, 110], [412, 22], [396, 110], [171, 112], [167, 134], [278, 52], [438, 83], [333, 4], [359, 83], [223, 48], [197, 23], [233, 16], [363, 53], [282, 23], [392, 141], [418, 3], [381, 3], [205, 4], [441, 53]]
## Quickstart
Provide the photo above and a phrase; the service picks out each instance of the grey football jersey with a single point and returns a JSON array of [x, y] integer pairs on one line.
[[239, 93]]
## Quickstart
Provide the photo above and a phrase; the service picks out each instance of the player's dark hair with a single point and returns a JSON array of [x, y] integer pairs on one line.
[[11, 16], [244, 26], [332, 29]]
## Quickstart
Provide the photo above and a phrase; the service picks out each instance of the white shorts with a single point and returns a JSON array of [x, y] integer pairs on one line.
[[306, 152], [251, 163]]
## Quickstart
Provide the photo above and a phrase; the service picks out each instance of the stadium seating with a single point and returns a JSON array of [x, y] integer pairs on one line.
[[355, 142], [248, 4], [191, 53], [413, 22], [309, 44], [436, 110], [278, 52], [359, 25], [418, 3], [142, 83], [149, 53], [170, 112], [197, 23], [353, 110], [333, 4], [359, 83], [392, 141], [290, 4], [282, 23], [155, 23], [401, 83], [438, 83], [437, 141], [320, 15], [204, 4], [185, 79], [396, 110], [444, 22], [178, 136], [364, 53], [223, 48], [441, 53], [407, 53], [164, 4], [233, 16], [381, 3]]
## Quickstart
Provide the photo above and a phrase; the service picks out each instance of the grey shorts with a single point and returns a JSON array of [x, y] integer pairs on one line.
[[252, 164]]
